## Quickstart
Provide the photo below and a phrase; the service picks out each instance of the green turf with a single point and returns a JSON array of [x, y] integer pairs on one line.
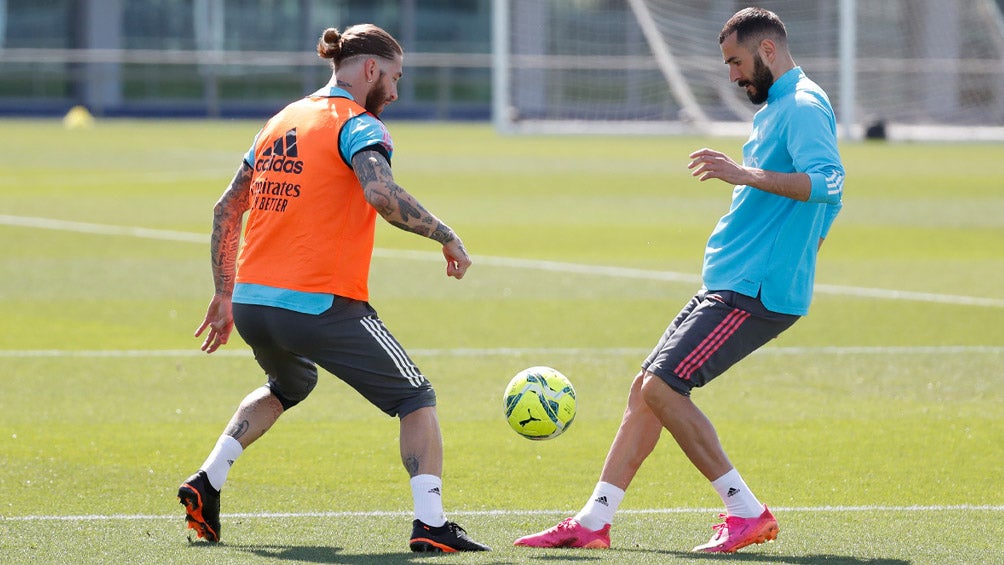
[[872, 405]]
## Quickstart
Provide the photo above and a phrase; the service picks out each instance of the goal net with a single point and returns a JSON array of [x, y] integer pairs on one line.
[[908, 69]]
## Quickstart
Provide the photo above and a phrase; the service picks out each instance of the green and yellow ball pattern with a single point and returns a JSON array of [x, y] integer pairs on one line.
[[539, 403]]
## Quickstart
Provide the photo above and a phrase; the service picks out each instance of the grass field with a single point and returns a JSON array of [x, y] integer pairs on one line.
[[873, 428]]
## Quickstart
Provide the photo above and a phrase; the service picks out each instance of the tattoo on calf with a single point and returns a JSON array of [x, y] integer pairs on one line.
[[411, 464], [239, 429]]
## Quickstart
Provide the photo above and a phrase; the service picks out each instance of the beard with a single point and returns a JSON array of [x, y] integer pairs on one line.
[[761, 81], [377, 98]]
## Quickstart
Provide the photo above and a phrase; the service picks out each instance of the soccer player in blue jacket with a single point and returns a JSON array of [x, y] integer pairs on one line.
[[758, 273]]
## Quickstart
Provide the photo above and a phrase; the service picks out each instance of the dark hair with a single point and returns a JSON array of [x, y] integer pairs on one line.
[[361, 39], [754, 23]]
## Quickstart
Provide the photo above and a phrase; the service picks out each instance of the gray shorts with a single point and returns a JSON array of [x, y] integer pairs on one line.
[[713, 332], [348, 340]]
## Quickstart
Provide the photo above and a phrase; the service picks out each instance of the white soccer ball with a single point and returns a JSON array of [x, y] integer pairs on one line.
[[539, 403]]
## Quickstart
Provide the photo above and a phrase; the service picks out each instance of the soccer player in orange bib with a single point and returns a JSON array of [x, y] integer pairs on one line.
[[312, 184]]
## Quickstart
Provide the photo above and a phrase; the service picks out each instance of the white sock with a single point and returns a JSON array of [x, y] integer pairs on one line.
[[220, 459], [602, 505], [738, 498], [426, 491]]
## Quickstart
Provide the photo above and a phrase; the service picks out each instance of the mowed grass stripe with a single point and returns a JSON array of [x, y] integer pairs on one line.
[[506, 351], [401, 513], [553, 266]]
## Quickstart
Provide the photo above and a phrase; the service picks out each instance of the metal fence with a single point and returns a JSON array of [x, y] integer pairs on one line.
[[229, 58]]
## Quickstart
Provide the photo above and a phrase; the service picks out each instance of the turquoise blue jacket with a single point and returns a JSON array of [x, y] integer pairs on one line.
[[766, 244]]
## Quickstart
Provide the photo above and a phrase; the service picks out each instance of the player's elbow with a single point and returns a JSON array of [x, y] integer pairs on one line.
[[827, 187]]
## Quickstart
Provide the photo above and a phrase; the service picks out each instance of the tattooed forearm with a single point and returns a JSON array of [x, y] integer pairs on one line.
[[394, 203], [226, 237], [443, 234], [408, 210]]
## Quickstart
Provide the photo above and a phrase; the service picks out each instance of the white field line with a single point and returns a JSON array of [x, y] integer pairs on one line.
[[520, 351], [403, 513], [102, 229], [511, 262]]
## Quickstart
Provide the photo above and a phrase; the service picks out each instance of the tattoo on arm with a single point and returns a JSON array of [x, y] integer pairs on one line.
[[442, 234], [365, 166], [407, 210], [226, 237], [393, 202]]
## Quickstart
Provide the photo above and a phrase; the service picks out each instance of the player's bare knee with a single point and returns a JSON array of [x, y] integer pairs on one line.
[[651, 388], [656, 392]]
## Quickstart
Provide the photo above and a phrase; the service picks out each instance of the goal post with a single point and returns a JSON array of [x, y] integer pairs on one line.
[[667, 65], [924, 69]]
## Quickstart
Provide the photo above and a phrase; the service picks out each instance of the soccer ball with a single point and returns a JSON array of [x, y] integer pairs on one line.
[[539, 403]]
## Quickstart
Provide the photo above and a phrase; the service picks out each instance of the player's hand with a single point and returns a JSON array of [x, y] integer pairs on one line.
[[710, 164], [457, 259], [220, 321]]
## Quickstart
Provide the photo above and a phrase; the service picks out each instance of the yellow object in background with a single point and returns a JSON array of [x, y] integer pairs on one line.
[[78, 117]]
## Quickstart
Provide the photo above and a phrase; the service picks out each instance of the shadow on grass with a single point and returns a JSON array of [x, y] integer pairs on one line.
[[330, 554], [826, 559], [563, 558], [320, 554]]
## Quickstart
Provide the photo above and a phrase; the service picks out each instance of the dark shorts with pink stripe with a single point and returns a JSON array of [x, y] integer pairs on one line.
[[713, 332]]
